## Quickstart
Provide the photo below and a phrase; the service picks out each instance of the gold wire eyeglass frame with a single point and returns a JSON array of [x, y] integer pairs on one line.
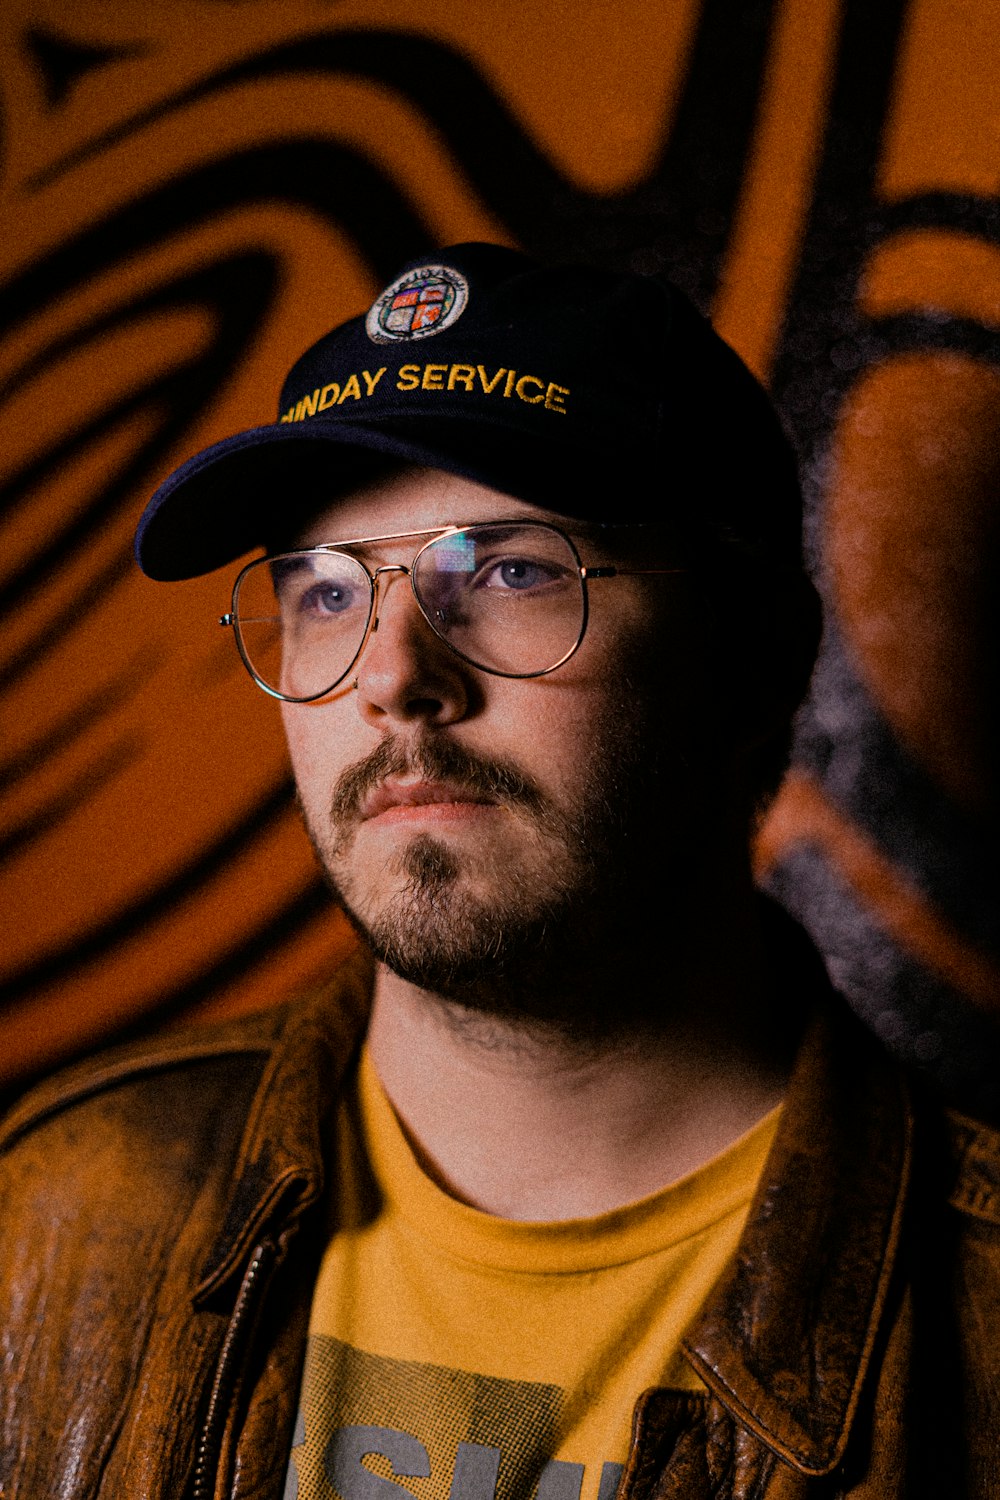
[[230, 620]]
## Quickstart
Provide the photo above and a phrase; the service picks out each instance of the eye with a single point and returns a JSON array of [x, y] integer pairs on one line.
[[521, 574], [311, 596], [325, 599]]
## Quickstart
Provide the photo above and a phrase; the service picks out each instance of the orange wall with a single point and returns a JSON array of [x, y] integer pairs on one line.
[[194, 191]]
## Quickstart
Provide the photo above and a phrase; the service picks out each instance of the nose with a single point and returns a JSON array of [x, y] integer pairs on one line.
[[406, 672]]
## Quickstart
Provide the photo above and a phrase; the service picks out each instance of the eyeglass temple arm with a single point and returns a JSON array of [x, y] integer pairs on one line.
[[589, 573]]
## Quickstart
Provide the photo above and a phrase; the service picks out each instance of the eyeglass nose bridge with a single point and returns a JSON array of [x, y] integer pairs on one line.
[[375, 574], [378, 596]]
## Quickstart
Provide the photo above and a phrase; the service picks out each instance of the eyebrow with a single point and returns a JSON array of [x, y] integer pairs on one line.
[[590, 531], [578, 529], [361, 544], [601, 531], [283, 564]]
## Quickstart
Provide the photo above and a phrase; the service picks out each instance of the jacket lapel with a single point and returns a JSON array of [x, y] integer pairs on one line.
[[280, 1172], [786, 1339]]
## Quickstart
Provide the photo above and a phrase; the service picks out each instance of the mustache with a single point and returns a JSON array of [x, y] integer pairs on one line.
[[433, 760]]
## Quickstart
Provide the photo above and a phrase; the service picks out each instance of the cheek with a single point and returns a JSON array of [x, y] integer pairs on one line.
[[313, 741], [565, 730], [296, 734]]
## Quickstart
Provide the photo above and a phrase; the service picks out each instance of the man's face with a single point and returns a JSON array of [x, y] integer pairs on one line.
[[488, 833]]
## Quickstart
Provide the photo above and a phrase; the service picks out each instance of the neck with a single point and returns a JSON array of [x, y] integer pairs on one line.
[[529, 1122]]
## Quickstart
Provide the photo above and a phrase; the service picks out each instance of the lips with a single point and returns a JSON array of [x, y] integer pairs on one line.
[[393, 794]]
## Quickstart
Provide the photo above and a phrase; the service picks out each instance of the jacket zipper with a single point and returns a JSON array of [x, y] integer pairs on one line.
[[227, 1372]]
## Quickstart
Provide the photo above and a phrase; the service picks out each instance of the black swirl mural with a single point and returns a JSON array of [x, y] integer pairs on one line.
[[189, 211]]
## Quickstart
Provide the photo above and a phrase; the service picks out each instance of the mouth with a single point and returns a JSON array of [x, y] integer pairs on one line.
[[399, 802]]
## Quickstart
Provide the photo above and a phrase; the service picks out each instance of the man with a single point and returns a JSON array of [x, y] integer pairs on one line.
[[615, 1197]]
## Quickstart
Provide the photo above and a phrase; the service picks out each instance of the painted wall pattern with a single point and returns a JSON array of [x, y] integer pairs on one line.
[[193, 192]]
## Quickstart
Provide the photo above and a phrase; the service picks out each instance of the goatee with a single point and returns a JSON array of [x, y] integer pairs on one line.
[[561, 896]]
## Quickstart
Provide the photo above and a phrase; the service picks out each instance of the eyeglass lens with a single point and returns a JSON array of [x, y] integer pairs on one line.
[[508, 598]]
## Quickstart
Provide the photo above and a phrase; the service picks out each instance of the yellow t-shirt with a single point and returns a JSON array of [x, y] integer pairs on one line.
[[457, 1356]]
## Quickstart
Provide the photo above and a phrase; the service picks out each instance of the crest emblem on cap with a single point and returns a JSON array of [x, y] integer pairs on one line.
[[417, 304]]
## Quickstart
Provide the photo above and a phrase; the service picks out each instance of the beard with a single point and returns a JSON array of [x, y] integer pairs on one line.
[[535, 934]]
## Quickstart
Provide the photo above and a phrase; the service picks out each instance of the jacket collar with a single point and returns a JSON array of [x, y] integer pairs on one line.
[[280, 1172], [788, 1333]]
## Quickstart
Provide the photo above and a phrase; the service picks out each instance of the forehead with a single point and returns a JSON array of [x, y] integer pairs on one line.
[[419, 500]]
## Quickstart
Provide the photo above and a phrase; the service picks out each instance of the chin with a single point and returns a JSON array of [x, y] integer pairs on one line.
[[450, 929], [524, 951]]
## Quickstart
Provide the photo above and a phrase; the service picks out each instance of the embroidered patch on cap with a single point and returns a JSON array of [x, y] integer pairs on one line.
[[417, 304]]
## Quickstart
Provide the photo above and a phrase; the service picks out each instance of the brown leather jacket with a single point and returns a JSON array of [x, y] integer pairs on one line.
[[161, 1226]]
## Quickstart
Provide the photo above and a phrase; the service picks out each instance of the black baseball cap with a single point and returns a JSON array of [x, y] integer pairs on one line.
[[603, 396]]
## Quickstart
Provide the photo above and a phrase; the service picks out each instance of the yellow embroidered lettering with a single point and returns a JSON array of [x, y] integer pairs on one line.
[[371, 381], [289, 415], [490, 385], [328, 395], [298, 412], [509, 387], [555, 397], [433, 377], [526, 380], [309, 403], [352, 388], [461, 374], [409, 378]]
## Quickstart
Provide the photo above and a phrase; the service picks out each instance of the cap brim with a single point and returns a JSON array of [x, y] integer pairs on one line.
[[250, 489]]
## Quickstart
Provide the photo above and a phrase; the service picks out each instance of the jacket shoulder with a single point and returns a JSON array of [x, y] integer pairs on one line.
[[147, 1060], [243, 1047], [132, 1187]]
